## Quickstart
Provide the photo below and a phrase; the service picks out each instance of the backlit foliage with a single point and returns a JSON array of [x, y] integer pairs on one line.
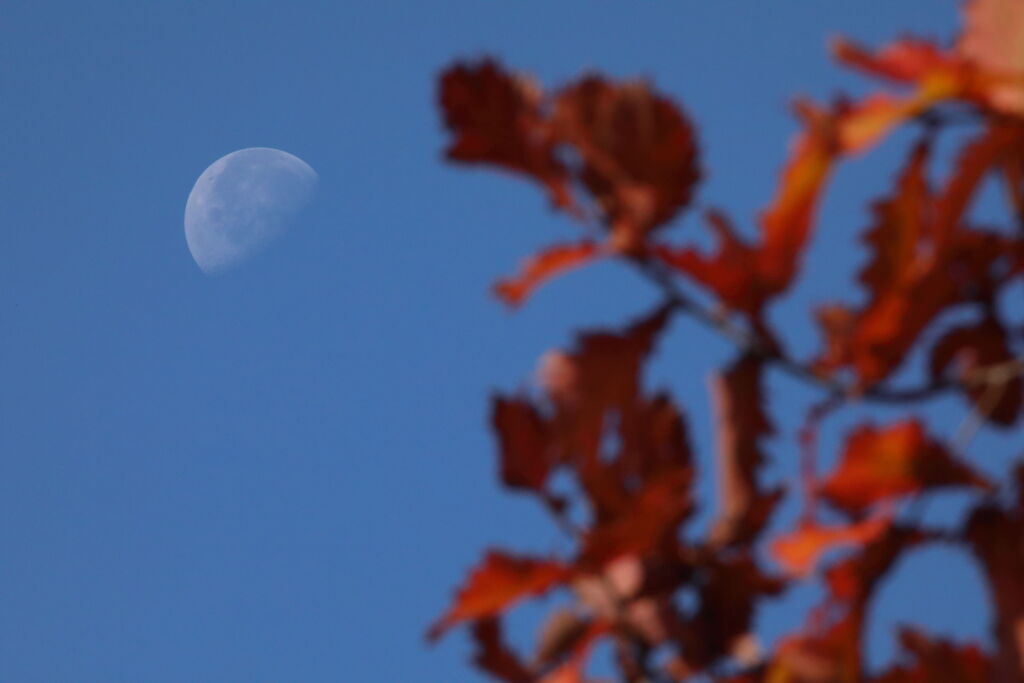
[[623, 160]]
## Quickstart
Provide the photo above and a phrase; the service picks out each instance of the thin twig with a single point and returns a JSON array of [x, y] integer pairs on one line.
[[995, 379], [751, 342], [809, 452]]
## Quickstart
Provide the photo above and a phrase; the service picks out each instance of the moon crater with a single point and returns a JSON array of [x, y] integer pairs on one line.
[[242, 203]]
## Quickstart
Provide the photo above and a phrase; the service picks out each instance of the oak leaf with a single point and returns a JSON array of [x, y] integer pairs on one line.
[[923, 262], [829, 649], [524, 443], [745, 275], [649, 519], [638, 153], [500, 581], [882, 463], [497, 118]]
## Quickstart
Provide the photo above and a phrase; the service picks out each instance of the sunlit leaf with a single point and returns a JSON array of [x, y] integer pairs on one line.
[[499, 581], [549, 263], [799, 551], [881, 463]]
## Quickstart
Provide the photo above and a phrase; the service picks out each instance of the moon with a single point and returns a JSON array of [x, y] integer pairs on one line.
[[242, 203]]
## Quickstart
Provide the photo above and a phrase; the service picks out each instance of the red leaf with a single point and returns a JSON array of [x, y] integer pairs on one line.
[[524, 444], [494, 657], [654, 439], [852, 581], [741, 424], [883, 463], [638, 152], [896, 238], [499, 582], [746, 276], [923, 261], [732, 273], [648, 520], [798, 552], [728, 589], [549, 263], [938, 660], [997, 538], [497, 119], [823, 656], [971, 349], [831, 650], [600, 378]]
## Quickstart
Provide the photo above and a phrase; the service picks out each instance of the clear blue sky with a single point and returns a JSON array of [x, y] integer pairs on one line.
[[279, 474]]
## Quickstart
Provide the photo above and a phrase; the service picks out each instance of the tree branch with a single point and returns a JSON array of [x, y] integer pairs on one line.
[[751, 342]]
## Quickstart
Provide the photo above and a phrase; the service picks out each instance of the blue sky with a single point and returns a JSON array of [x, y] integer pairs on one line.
[[280, 473]]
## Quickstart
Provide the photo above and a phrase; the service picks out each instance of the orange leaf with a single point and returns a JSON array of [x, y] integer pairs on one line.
[[986, 68], [798, 552], [547, 264], [499, 582], [936, 74], [497, 119], [831, 650], [745, 276], [883, 463], [787, 223], [904, 61], [923, 261]]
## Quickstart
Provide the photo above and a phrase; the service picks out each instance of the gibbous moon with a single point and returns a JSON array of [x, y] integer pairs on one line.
[[242, 203]]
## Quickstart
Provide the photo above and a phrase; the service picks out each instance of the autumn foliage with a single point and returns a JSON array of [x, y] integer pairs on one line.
[[623, 161]]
